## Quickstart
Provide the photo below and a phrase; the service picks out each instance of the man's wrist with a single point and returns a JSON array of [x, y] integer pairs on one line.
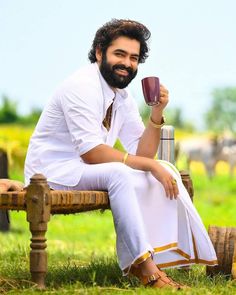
[[155, 124], [157, 117]]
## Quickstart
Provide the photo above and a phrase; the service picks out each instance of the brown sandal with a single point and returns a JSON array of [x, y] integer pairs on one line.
[[157, 280]]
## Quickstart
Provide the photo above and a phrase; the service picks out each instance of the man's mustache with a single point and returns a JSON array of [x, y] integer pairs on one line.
[[122, 67]]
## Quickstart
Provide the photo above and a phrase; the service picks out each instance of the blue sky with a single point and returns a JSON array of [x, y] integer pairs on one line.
[[192, 48]]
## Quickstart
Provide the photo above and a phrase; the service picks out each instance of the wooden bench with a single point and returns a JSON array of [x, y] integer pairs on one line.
[[4, 215], [39, 202]]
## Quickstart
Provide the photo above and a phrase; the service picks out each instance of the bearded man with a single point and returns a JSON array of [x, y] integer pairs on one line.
[[72, 145]]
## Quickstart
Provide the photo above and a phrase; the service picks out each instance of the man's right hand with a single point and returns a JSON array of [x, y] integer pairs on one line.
[[166, 179], [104, 154]]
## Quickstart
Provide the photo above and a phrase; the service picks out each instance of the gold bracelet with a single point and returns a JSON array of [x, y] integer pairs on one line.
[[163, 120], [125, 158]]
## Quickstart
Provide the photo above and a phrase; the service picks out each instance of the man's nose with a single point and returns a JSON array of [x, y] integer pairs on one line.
[[127, 62]]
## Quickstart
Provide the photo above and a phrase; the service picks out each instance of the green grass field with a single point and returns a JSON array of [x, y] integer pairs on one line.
[[81, 247]]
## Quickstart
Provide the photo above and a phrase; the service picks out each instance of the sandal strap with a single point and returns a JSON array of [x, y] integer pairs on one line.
[[150, 280], [160, 281], [157, 280]]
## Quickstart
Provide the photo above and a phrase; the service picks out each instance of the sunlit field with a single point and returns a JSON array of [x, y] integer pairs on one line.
[[81, 246]]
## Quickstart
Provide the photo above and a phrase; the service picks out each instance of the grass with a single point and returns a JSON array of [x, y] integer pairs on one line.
[[82, 249], [215, 199], [84, 263]]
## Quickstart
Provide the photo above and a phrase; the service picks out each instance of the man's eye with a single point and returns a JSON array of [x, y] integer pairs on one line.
[[134, 58]]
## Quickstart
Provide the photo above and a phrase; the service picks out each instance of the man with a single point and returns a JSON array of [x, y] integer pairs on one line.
[[72, 145]]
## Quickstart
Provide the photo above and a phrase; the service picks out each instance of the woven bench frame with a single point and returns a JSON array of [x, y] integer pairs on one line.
[[39, 202]]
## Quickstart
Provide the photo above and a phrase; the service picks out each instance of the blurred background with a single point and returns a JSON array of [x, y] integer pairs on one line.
[[192, 50]]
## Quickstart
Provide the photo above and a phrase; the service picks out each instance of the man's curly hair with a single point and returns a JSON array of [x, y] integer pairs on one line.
[[117, 28]]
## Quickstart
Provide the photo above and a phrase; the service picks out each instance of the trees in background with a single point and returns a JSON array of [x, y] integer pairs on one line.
[[222, 113], [220, 117], [9, 113], [173, 116]]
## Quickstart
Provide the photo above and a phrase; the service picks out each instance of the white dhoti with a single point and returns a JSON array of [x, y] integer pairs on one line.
[[146, 221]]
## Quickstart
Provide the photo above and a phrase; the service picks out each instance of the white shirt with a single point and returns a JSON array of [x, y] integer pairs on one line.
[[71, 125]]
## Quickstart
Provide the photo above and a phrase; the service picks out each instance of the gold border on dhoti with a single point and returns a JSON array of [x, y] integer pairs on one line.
[[166, 247], [182, 253], [172, 245], [160, 249], [142, 258], [186, 261]]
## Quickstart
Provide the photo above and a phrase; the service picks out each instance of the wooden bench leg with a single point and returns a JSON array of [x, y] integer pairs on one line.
[[4, 214], [187, 182], [4, 220], [38, 210]]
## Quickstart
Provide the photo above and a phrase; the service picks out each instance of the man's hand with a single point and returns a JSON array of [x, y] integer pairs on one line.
[[151, 135], [166, 179], [105, 154], [156, 112], [164, 98]]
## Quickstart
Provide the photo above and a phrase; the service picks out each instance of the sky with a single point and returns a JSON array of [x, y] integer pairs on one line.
[[192, 48]]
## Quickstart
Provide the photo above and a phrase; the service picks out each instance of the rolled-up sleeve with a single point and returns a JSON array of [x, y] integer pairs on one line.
[[82, 116]]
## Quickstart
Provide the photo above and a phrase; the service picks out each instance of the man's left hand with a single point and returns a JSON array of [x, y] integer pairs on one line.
[[156, 112], [164, 98]]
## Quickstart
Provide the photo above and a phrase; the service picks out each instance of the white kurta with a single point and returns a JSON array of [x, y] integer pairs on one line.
[[71, 125], [146, 221]]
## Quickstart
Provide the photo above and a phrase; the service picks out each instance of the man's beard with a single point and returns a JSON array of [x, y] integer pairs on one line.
[[112, 78]]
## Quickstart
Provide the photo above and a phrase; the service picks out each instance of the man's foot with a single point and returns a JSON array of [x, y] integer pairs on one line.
[[159, 279]]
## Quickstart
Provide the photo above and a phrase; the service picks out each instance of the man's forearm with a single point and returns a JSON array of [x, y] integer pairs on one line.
[[105, 154], [149, 142]]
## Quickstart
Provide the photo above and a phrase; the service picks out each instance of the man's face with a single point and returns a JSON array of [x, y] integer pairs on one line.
[[120, 63]]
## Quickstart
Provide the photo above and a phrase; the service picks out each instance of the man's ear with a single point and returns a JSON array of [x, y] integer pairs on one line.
[[98, 55]]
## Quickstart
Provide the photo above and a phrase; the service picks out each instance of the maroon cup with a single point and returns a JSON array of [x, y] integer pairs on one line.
[[151, 90]]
